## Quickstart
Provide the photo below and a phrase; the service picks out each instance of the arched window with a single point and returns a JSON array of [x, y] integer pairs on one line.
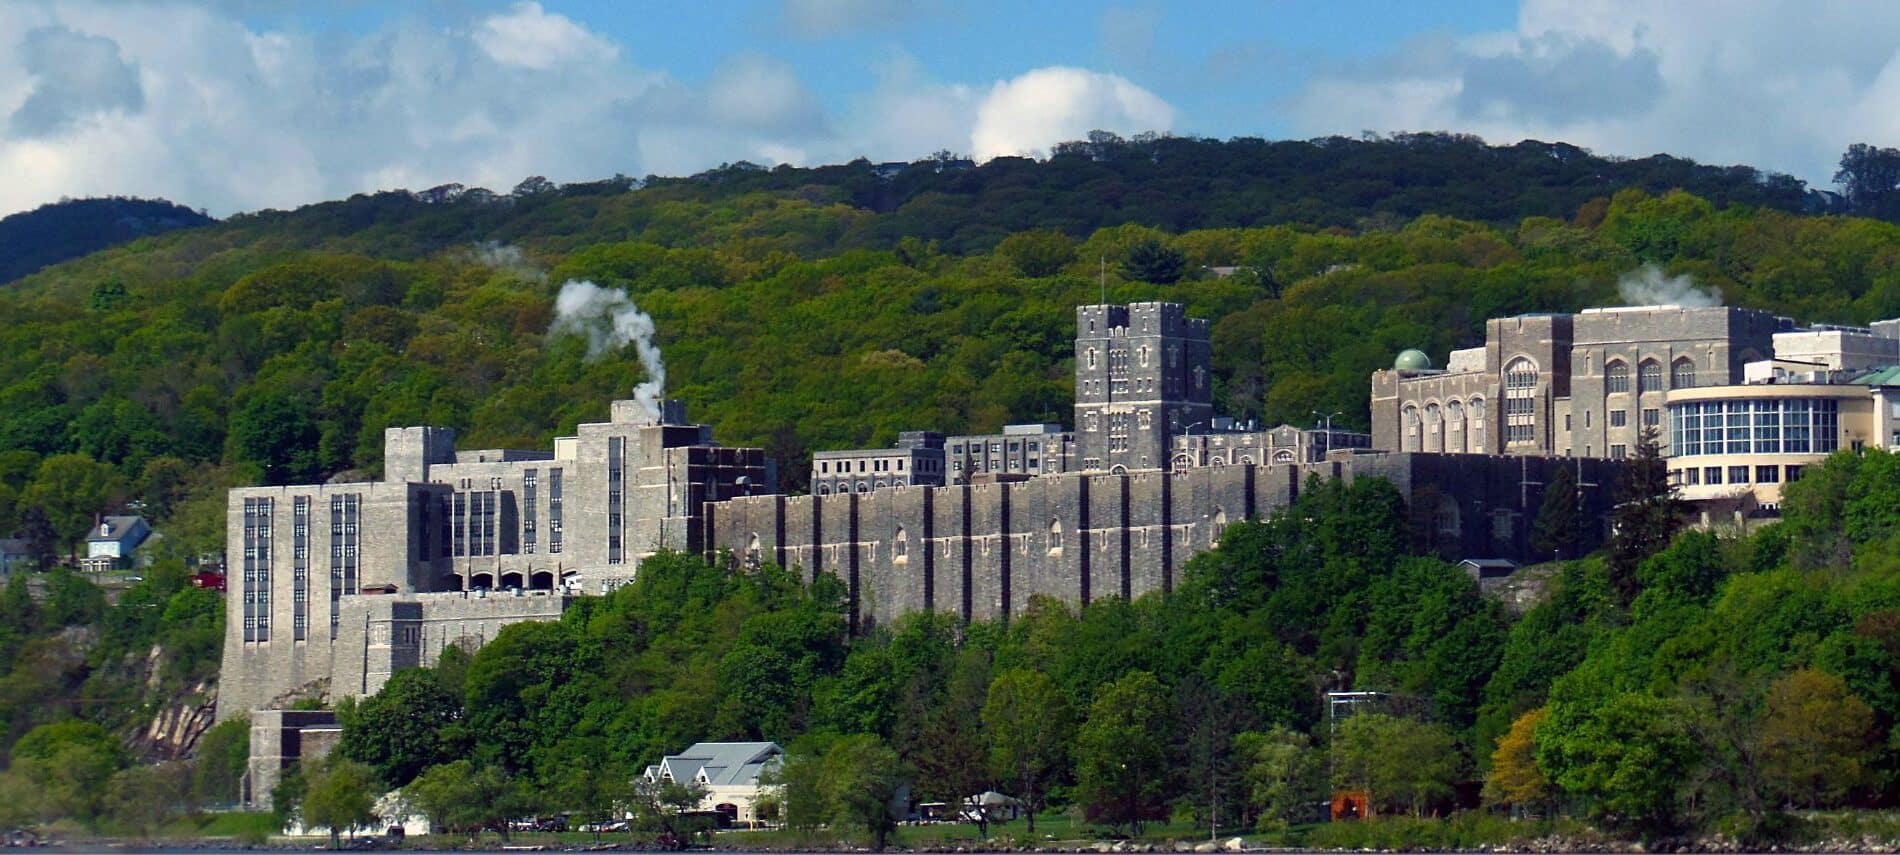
[[900, 546], [1220, 525], [824, 489], [1616, 377], [1091, 357], [1682, 374], [1055, 537], [1244, 461], [1283, 456], [1476, 409], [754, 551], [1649, 376], [1520, 374], [1433, 416], [1455, 413], [1520, 403]]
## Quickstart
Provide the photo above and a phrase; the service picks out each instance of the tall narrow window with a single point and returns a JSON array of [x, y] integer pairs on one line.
[[1682, 373], [1616, 377], [1649, 376]]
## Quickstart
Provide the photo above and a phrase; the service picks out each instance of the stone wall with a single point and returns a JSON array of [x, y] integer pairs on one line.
[[981, 551]]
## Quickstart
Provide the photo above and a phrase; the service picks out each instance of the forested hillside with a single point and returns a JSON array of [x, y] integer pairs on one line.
[[828, 308], [54, 233], [1726, 684]]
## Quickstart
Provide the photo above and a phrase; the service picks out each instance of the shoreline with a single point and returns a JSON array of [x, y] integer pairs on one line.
[[1538, 846]]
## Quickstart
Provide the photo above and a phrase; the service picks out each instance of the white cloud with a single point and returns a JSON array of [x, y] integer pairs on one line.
[[189, 102], [528, 36], [1778, 84], [1030, 113]]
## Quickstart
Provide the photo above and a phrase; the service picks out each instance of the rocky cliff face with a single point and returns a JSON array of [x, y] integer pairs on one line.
[[175, 727]]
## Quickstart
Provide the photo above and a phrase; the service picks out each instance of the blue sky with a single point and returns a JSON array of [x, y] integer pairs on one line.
[[238, 105]]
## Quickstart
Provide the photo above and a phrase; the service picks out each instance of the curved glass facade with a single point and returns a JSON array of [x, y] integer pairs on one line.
[[1760, 426]]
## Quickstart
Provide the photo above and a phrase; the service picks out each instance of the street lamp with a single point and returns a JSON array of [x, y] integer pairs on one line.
[[1327, 419]]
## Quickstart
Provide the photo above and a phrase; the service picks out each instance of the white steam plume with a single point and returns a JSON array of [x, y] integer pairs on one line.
[[609, 321], [1647, 286], [507, 258]]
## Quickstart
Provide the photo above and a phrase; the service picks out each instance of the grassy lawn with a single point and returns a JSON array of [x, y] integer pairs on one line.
[[247, 827]]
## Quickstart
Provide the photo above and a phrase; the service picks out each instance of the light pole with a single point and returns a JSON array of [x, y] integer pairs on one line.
[[1327, 419]]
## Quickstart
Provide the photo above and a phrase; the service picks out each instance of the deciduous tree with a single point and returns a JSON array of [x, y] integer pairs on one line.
[[1030, 727]]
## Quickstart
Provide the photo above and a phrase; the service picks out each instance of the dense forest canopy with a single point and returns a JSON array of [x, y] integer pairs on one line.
[[263, 351], [829, 308], [71, 228]]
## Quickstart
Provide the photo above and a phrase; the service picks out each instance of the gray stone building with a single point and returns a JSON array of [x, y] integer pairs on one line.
[[1284, 445], [1141, 376], [981, 551], [340, 585], [1024, 450], [337, 585], [1581, 385], [918, 458]]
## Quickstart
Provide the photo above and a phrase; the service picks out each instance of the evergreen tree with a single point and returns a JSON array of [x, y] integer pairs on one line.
[[1646, 517], [1559, 525]]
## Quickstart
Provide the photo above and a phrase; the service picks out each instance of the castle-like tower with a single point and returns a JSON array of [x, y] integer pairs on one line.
[[1141, 376]]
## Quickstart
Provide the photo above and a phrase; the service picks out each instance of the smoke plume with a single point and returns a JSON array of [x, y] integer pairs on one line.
[[507, 258], [1647, 286], [610, 321]]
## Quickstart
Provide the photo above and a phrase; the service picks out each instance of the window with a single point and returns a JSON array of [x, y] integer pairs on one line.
[[1649, 376], [1794, 473], [1619, 451], [1738, 474], [1682, 374], [1712, 474], [1616, 377], [1520, 418], [1766, 426], [1619, 418], [1566, 421], [1652, 417], [1692, 476], [900, 546], [1767, 474], [1055, 537]]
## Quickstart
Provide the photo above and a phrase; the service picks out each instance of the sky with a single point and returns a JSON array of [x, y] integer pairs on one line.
[[240, 105]]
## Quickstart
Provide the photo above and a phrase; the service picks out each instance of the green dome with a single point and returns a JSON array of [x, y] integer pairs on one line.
[[1412, 360]]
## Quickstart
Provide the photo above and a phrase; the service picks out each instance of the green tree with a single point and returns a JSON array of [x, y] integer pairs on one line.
[[70, 763], [1403, 762], [1816, 740], [71, 489], [1121, 753], [340, 795], [72, 600], [1038, 252], [1030, 728], [1558, 530], [1154, 261], [1282, 772], [412, 723], [1646, 517], [276, 431], [1628, 759], [143, 798], [861, 778], [223, 754], [663, 804]]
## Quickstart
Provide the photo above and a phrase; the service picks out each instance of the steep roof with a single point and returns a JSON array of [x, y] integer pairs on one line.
[[114, 528], [720, 764]]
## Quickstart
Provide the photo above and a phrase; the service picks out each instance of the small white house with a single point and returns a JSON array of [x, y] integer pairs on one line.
[[112, 541], [729, 771]]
